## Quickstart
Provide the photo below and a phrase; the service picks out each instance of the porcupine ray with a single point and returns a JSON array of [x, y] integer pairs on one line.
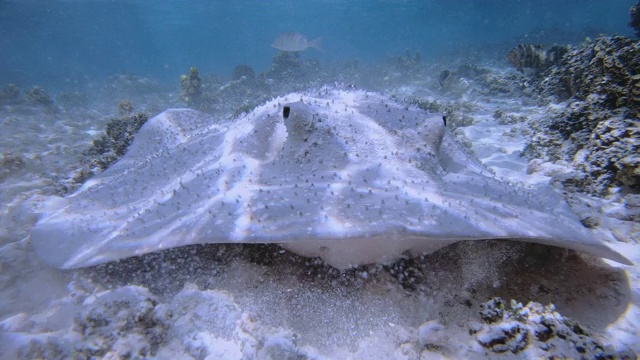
[[351, 176]]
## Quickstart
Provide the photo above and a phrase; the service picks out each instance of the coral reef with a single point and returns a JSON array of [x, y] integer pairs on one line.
[[516, 327], [130, 322], [612, 155], [535, 57], [605, 66], [289, 66], [595, 130], [38, 96], [11, 163], [243, 70], [527, 56], [634, 12], [109, 147], [191, 87], [126, 323], [471, 78], [206, 93], [119, 134], [48, 349], [143, 325], [10, 95]]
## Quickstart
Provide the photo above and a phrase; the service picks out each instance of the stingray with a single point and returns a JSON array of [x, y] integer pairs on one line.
[[350, 176]]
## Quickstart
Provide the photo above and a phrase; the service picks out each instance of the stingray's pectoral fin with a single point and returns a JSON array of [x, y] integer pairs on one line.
[[606, 252], [593, 246]]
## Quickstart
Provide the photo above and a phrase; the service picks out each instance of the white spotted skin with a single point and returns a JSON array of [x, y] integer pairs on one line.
[[351, 176]]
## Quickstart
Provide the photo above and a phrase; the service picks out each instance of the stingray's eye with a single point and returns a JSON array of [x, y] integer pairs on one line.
[[444, 118], [285, 111]]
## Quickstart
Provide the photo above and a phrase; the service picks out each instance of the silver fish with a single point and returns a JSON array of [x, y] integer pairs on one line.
[[293, 41]]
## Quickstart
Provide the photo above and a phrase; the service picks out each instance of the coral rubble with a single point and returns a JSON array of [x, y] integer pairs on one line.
[[517, 327]]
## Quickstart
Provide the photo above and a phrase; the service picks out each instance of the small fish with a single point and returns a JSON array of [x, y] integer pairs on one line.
[[293, 41], [527, 56], [535, 57], [443, 77], [556, 52]]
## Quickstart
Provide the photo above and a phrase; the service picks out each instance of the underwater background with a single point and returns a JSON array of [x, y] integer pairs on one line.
[[543, 95], [63, 44]]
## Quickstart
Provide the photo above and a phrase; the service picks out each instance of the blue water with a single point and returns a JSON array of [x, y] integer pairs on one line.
[[60, 44]]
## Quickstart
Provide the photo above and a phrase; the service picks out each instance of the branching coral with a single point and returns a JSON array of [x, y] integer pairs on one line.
[[191, 87]]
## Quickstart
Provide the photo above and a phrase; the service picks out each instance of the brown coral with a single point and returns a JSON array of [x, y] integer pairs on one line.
[[605, 66], [191, 87], [601, 79], [612, 155]]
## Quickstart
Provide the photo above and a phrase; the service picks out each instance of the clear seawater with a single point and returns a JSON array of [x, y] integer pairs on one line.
[[59, 44], [82, 53]]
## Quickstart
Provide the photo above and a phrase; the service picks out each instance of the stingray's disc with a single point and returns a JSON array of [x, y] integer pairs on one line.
[[353, 177]]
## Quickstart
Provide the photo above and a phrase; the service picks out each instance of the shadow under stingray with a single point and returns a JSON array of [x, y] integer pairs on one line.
[[459, 277]]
